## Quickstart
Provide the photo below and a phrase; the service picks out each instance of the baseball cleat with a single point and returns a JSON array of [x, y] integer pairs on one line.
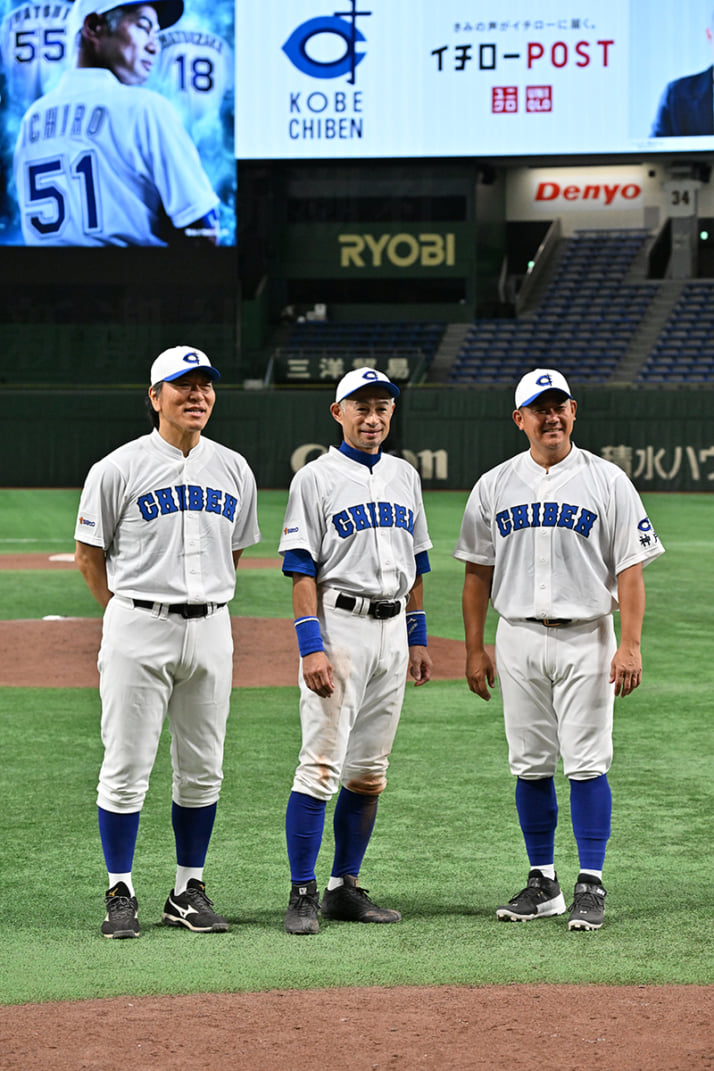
[[121, 919], [540, 898], [587, 911], [350, 903], [194, 910], [303, 906]]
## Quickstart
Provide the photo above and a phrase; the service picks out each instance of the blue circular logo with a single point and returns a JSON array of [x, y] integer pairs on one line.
[[296, 47]]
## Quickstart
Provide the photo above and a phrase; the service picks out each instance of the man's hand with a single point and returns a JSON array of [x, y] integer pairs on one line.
[[626, 669], [480, 673], [420, 664], [317, 673]]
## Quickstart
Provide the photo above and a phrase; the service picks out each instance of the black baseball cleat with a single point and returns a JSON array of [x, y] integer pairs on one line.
[[194, 910], [121, 919], [350, 903], [303, 906], [587, 911], [540, 898]]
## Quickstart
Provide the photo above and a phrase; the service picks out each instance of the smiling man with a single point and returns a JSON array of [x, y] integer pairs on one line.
[[162, 523], [355, 543], [100, 160], [556, 537]]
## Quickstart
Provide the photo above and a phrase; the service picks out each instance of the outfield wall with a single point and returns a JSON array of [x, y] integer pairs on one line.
[[663, 439]]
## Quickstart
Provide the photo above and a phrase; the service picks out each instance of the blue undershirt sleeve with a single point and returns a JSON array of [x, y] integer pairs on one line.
[[299, 561], [422, 562]]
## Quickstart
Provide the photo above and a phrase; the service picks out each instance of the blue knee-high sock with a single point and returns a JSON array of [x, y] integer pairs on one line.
[[192, 831], [304, 823], [353, 822], [537, 808], [590, 811], [118, 835]]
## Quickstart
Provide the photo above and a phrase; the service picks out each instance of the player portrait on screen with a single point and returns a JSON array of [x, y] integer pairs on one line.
[[686, 107], [112, 142]]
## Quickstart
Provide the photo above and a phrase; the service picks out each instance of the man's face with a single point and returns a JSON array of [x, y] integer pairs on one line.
[[186, 403], [365, 418], [130, 51], [548, 422]]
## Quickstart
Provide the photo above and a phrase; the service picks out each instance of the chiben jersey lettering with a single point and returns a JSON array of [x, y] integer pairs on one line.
[[169, 524], [540, 528], [361, 526]]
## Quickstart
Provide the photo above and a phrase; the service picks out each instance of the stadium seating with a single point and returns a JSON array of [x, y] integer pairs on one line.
[[583, 324], [684, 351]]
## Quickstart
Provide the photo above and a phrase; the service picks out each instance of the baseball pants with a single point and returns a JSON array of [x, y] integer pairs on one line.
[[557, 699], [348, 737], [156, 666]]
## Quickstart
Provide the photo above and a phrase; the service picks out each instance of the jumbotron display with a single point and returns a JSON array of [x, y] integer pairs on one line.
[[117, 123], [436, 78]]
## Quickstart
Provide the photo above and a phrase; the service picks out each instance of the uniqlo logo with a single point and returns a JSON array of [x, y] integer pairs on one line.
[[539, 99], [504, 100]]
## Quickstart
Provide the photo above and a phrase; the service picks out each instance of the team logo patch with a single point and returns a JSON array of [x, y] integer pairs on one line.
[[648, 534]]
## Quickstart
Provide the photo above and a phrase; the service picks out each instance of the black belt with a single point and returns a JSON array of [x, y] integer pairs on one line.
[[552, 622], [185, 609], [380, 610]]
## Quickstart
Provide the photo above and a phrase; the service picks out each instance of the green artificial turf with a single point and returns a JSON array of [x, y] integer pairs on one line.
[[446, 851], [447, 848]]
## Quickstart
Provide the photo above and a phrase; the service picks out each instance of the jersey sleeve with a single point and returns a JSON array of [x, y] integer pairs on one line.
[[635, 539], [172, 158], [475, 542], [303, 527], [422, 542], [100, 505], [246, 531]]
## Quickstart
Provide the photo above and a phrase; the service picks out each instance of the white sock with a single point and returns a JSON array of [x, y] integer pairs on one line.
[[126, 878], [597, 874], [546, 869], [184, 875], [335, 883]]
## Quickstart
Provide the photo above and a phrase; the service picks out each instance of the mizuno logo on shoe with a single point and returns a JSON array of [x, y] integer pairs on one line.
[[184, 912]]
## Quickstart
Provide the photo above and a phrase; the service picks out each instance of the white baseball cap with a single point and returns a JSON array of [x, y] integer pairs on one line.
[[537, 382], [167, 12], [364, 377], [178, 361]]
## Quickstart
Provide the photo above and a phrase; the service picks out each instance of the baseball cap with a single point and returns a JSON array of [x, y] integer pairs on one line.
[[537, 382], [364, 377], [178, 361], [167, 12]]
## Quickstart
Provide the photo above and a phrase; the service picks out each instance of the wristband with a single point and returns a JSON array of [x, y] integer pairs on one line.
[[309, 636], [416, 628]]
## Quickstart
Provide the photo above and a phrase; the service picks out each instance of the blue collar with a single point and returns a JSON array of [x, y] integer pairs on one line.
[[370, 460]]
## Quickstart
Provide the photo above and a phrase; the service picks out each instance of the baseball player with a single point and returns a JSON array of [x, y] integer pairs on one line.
[[100, 160], [33, 43], [355, 543], [557, 537], [162, 523]]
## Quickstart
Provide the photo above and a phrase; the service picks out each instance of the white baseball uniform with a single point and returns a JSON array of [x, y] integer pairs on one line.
[[101, 163], [557, 540], [363, 528], [34, 46], [168, 525], [195, 71]]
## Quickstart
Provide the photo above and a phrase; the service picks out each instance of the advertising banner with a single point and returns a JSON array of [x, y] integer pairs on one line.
[[420, 78]]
